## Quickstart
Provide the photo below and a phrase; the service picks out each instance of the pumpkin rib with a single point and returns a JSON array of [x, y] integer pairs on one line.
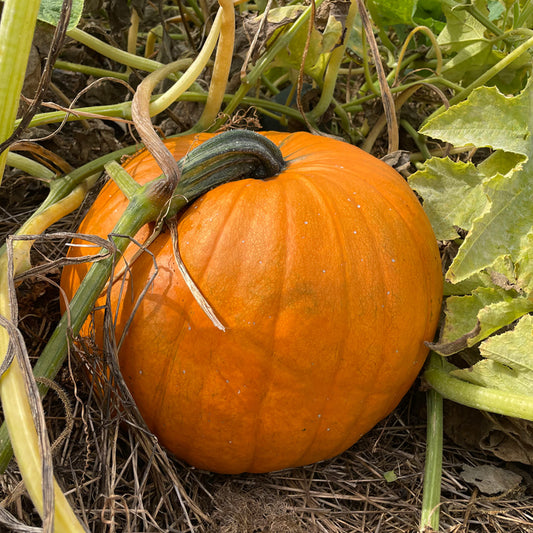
[[258, 430], [365, 227], [325, 206], [237, 191]]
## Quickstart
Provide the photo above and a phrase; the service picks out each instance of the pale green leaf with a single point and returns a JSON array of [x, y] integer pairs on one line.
[[453, 195], [501, 230], [500, 162], [462, 312], [486, 119], [461, 30], [480, 314], [50, 10], [470, 62], [508, 363]]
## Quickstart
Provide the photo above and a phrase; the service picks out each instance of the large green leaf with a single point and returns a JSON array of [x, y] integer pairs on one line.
[[453, 195], [501, 231], [472, 318], [487, 211], [486, 118], [497, 209]]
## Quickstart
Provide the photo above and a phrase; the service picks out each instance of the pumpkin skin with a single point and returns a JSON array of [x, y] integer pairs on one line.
[[328, 280]]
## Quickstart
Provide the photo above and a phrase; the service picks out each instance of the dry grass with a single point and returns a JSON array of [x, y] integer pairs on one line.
[[121, 480]]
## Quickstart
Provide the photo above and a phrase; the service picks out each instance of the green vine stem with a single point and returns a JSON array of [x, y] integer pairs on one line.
[[433, 463], [115, 54], [30, 167], [335, 61], [496, 401], [123, 110], [90, 71]]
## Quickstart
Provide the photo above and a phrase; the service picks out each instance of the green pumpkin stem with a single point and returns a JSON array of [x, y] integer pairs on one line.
[[229, 156]]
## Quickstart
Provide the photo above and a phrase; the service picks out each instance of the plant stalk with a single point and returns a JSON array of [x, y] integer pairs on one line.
[[433, 463], [483, 398], [16, 26]]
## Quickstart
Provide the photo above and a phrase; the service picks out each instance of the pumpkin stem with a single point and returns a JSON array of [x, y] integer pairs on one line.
[[230, 156]]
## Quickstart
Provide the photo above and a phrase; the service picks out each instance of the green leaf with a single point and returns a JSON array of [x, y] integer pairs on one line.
[[391, 12], [472, 318], [453, 195], [321, 44], [50, 11], [461, 30], [508, 361], [486, 119], [500, 219], [502, 230]]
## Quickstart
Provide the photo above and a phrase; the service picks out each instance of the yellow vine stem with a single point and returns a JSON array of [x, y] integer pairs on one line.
[[15, 402], [189, 76], [16, 32], [436, 47], [11, 58], [132, 34], [221, 69]]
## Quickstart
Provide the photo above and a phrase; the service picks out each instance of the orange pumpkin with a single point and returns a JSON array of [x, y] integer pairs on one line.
[[328, 279]]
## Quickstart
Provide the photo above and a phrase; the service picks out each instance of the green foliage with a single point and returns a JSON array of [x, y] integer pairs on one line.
[[472, 47], [487, 210], [50, 10], [507, 362], [390, 12]]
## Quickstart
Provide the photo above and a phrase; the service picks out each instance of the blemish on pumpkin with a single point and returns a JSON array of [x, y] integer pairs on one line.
[[393, 260]]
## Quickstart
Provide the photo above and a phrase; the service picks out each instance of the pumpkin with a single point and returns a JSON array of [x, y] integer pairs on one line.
[[328, 279]]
